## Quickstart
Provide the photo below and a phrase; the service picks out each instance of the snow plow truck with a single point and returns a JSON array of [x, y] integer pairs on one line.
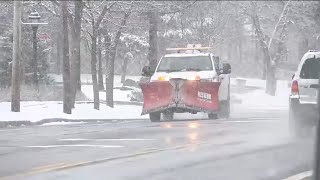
[[187, 80]]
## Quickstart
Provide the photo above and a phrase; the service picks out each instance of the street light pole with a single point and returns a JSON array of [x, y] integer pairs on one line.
[[35, 18], [35, 60]]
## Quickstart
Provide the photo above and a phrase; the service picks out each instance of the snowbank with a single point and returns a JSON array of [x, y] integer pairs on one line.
[[258, 99]]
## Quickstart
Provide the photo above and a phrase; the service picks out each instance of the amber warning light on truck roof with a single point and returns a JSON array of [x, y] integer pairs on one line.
[[191, 48]]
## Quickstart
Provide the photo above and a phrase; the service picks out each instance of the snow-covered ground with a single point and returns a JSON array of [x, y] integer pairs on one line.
[[35, 111], [118, 95], [258, 99]]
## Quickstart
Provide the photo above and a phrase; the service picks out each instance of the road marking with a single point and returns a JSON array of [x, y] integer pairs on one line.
[[137, 154], [121, 122], [300, 176], [246, 121], [264, 118], [63, 166], [76, 145], [48, 166], [79, 139]]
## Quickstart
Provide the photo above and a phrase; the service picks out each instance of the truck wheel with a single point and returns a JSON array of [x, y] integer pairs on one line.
[[224, 109], [168, 116], [296, 127], [155, 116], [213, 116]]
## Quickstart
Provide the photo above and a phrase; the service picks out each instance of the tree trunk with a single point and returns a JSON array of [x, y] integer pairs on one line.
[[153, 40], [270, 73], [75, 50], [94, 69], [100, 76], [110, 78], [59, 49], [73, 79], [124, 69], [15, 87], [107, 42], [77, 39], [67, 96]]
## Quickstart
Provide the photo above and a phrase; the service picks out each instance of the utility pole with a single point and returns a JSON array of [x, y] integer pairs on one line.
[[15, 83]]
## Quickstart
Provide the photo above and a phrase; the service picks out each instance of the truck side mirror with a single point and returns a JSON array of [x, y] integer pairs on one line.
[[226, 68], [146, 71]]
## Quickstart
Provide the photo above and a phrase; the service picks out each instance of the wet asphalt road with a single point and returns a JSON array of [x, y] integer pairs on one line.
[[255, 146]]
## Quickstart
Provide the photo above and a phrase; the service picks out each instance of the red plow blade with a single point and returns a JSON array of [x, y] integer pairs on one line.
[[180, 93]]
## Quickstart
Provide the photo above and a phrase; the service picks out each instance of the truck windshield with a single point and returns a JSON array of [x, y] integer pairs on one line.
[[310, 69], [192, 63]]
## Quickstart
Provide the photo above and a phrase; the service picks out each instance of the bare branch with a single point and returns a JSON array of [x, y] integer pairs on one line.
[[277, 25], [48, 9], [103, 13]]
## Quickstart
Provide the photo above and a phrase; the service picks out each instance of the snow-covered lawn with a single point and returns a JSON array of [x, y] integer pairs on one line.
[[258, 99], [118, 95], [36, 111]]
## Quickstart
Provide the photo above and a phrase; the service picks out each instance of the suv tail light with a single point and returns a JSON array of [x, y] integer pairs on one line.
[[294, 88]]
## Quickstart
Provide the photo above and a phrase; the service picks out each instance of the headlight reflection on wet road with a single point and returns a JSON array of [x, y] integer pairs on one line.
[[167, 125], [193, 125], [191, 136]]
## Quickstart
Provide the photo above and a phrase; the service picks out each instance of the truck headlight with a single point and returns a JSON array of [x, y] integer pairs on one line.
[[193, 78], [163, 78]]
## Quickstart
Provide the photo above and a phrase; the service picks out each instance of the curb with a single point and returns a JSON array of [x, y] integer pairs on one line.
[[8, 124], [44, 121], [136, 103]]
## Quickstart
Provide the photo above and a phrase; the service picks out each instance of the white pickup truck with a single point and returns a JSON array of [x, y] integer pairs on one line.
[[191, 81]]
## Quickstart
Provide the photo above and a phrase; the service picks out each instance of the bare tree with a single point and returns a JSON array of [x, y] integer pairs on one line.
[[265, 44], [67, 91], [110, 66], [15, 87], [95, 25]]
